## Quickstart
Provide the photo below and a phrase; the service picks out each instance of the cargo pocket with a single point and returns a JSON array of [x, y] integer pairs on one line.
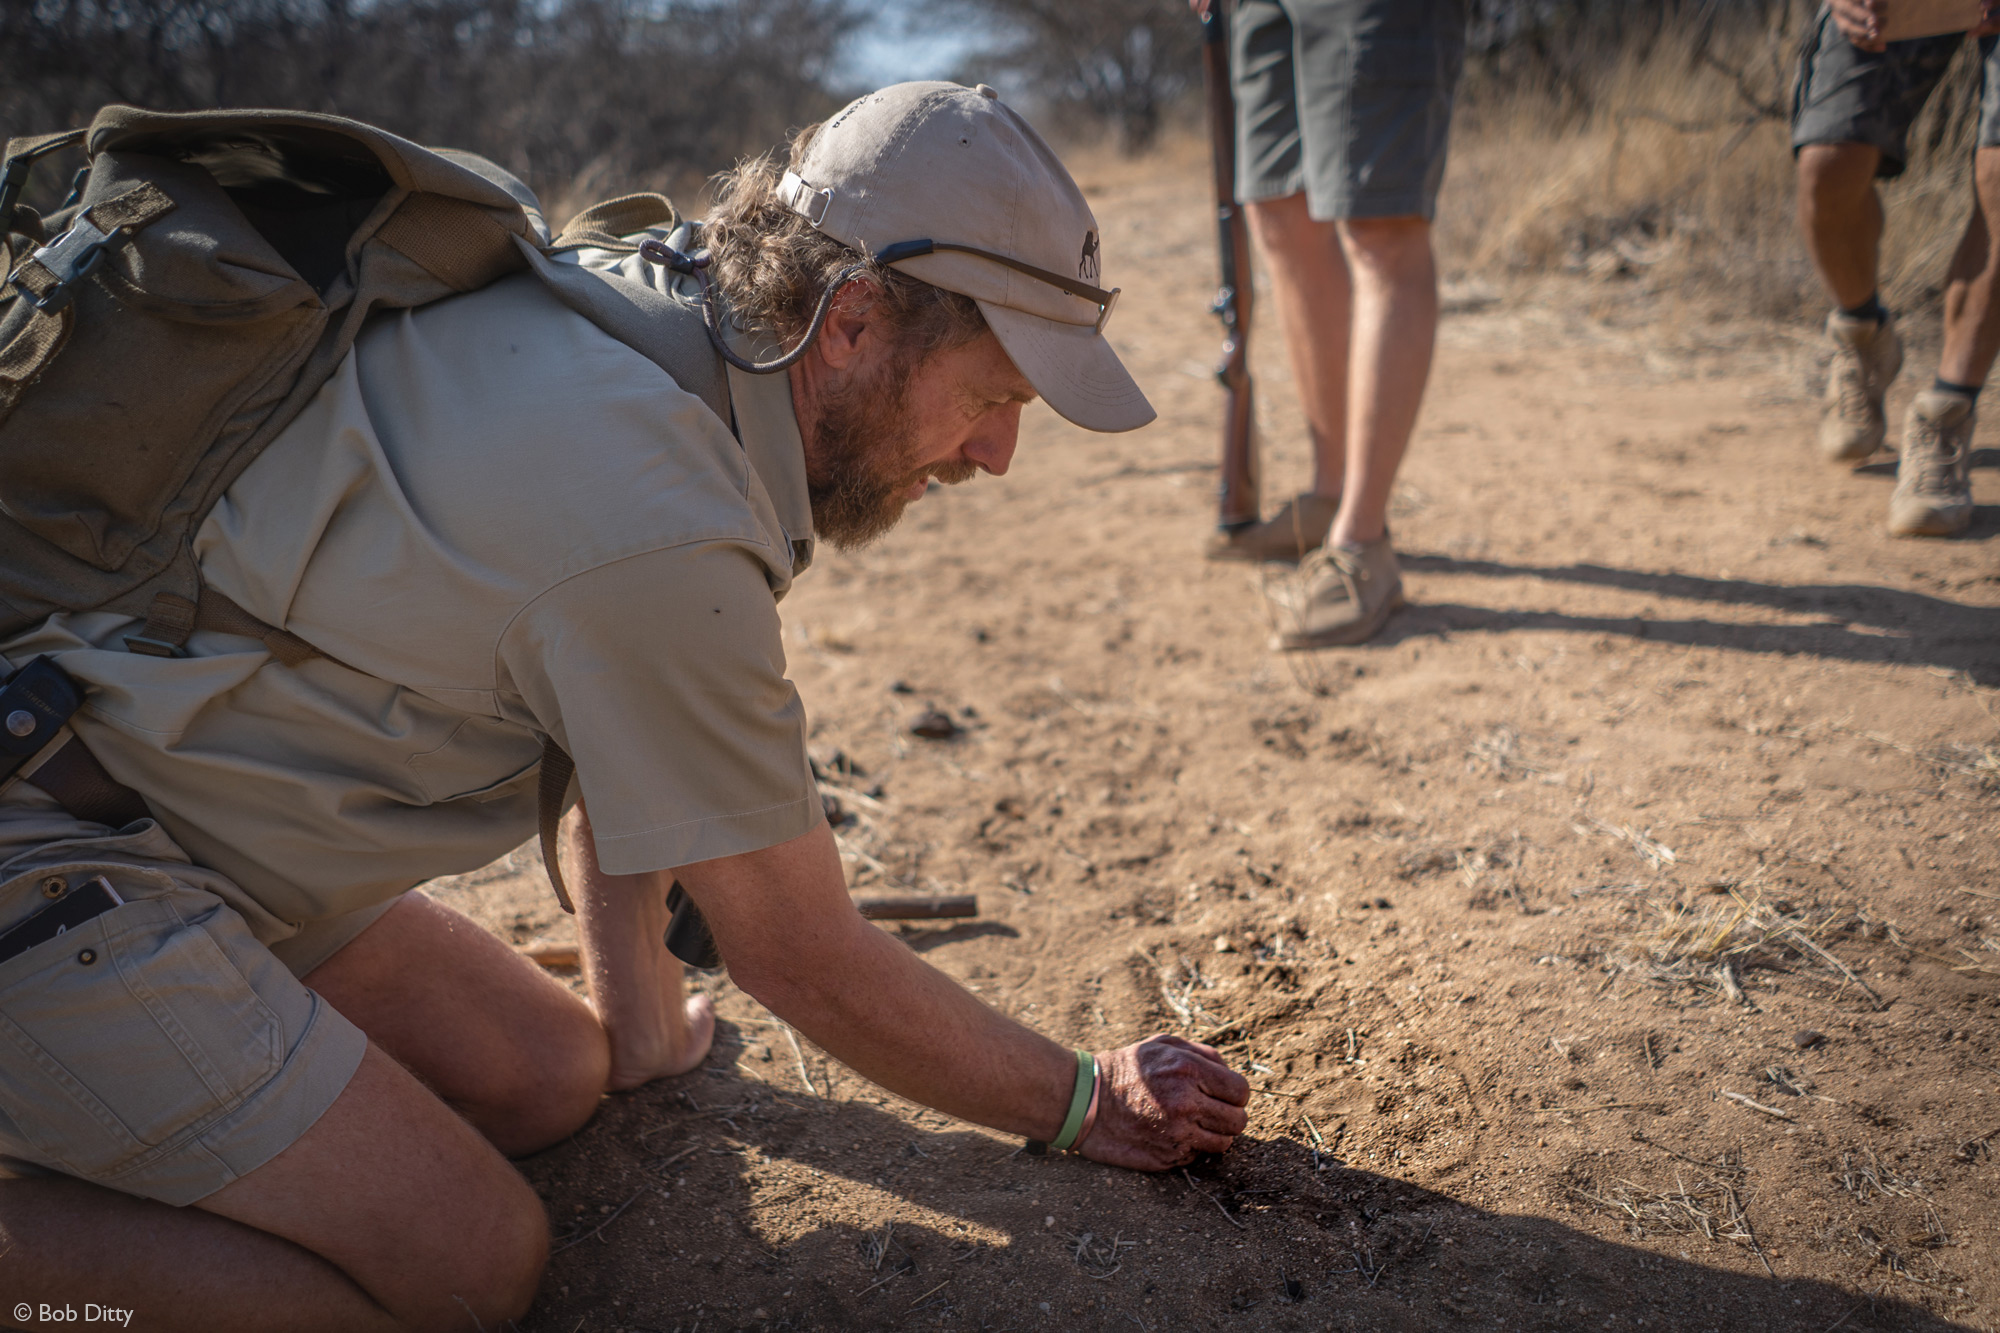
[[131, 1033]]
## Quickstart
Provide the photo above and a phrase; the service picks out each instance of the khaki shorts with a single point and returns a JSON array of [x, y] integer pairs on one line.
[[159, 1049], [1348, 101]]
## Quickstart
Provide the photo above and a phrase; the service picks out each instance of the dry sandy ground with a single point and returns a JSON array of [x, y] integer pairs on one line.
[[1521, 919]]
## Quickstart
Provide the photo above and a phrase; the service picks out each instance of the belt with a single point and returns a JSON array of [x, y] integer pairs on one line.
[[37, 746]]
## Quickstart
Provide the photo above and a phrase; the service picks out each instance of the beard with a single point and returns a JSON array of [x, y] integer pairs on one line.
[[861, 457]]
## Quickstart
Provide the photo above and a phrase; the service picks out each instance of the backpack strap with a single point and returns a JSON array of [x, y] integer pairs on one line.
[[610, 225], [460, 244], [550, 797], [172, 618]]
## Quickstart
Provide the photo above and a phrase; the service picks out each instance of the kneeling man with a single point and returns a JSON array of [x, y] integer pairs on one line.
[[264, 1085]]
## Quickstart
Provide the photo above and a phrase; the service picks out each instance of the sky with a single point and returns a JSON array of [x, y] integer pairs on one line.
[[895, 46]]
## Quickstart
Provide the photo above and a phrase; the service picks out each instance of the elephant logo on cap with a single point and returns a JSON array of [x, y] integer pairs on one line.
[[1086, 265]]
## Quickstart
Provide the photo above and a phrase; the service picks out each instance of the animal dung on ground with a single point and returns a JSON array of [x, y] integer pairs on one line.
[[933, 725]]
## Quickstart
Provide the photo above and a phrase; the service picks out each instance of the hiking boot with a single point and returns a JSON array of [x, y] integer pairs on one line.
[[1348, 595], [1866, 356], [1933, 496], [1298, 527]]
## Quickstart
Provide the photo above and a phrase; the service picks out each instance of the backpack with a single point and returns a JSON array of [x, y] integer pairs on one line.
[[205, 278]]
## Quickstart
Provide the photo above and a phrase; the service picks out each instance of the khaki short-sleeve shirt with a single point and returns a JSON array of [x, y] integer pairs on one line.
[[509, 524]]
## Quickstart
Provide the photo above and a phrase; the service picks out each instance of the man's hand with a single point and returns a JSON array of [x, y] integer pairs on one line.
[[1161, 1101], [1860, 21]]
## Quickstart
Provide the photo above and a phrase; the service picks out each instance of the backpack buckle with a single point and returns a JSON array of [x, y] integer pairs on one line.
[[69, 259]]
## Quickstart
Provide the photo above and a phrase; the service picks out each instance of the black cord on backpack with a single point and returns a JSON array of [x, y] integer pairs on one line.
[[696, 265]]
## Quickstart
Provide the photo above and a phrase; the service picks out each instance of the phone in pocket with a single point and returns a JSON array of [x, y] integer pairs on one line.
[[93, 898]]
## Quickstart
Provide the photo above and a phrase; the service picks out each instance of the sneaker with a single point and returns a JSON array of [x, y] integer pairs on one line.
[[1933, 496], [1297, 528], [1348, 595], [1866, 356]]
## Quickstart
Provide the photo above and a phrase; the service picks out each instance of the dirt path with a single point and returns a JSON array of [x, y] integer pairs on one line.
[[1615, 944]]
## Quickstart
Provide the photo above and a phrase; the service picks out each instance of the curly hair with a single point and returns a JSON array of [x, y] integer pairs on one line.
[[774, 265]]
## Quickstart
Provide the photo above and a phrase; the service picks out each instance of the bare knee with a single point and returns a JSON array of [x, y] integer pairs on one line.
[[1835, 176], [1283, 225], [488, 1270], [552, 1092], [1395, 247]]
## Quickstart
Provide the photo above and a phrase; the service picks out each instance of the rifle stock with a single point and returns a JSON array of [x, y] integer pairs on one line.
[[1241, 468]]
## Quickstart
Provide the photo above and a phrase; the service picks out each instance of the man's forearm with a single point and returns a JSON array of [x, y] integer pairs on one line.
[[873, 1004]]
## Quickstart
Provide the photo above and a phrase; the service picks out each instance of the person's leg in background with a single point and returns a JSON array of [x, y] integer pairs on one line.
[[1308, 273], [1851, 114], [1933, 496], [1376, 94]]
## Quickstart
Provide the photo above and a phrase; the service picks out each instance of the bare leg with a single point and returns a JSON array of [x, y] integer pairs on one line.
[[1309, 281], [655, 1029], [1972, 293], [1841, 217], [503, 1043], [389, 1215], [1395, 318]]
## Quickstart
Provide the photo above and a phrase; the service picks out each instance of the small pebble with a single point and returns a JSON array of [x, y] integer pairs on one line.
[[936, 726], [901, 687], [1806, 1039], [1047, 1223], [1383, 903], [1222, 944]]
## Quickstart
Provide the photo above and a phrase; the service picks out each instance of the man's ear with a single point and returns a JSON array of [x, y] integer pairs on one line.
[[850, 325]]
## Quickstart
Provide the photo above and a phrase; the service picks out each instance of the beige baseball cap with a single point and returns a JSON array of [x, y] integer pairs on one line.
[[951, 186]]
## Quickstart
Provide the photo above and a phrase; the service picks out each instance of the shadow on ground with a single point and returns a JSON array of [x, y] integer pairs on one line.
[[1861, 623], [888, 1226]]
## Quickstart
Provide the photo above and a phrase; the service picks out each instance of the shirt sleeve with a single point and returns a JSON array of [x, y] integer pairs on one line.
[[663, 675]]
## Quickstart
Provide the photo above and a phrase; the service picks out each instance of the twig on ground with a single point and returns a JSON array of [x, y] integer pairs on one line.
[[1749, 1232], [800, 1055], [1212, 1199], [1585, 1110], [1758, 1106], [932, 1292], [599, 1230]]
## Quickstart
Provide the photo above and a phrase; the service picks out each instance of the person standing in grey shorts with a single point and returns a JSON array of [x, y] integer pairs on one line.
[[1854, 102], [1342, 110]]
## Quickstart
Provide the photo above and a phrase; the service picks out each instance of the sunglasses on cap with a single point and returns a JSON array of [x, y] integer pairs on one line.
[[1097, 296]]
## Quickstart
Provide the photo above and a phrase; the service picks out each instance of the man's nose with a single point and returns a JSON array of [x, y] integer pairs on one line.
[[992, 446]]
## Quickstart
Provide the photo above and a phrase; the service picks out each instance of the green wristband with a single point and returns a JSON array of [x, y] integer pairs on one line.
[[1079, 1101]]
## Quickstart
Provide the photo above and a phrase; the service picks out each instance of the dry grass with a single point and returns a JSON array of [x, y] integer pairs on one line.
[[1707, 1201], [1711, 946], [1669, 173]]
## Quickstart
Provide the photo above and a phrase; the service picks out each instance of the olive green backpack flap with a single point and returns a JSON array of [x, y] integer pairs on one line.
[[208, 277]]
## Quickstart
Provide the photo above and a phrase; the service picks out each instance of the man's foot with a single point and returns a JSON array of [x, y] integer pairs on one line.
[[1348, 595], [1867, 355], [1299, 527], [686, 1045], [1933, 496]]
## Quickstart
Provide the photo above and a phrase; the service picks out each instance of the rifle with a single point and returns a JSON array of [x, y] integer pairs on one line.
[[1241, 469]]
